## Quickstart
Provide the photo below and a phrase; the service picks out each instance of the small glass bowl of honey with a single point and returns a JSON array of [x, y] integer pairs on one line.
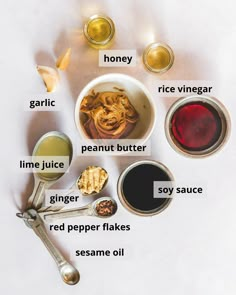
[[99, 31], [158, 57]]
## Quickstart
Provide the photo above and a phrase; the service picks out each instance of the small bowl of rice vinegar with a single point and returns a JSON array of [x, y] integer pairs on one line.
[[99, 31], [158, 57]]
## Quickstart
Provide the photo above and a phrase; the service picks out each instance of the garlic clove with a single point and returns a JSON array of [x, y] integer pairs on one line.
[[64, 60], [50, 77]]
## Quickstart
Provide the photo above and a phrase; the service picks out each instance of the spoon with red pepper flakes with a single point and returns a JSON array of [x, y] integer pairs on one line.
[[106, 208], [103, 207]]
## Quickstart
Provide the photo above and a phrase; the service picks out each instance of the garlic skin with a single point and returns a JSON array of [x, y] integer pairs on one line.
[[64, 60], [50, 77]]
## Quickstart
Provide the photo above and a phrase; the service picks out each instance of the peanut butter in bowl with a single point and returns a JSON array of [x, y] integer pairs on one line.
[[109, 115], [115, 107]]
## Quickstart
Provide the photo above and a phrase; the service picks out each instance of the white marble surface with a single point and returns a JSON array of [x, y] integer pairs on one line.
[[190, 248]]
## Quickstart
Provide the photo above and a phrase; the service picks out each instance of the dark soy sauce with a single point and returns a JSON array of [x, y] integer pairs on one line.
[[138, 187]]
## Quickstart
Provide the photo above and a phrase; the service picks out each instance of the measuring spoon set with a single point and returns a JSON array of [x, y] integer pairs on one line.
[[36, 215]]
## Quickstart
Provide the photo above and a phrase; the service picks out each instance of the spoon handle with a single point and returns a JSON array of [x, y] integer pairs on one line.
[[37, 225], [83, 211], [37, 197], [72, 189]]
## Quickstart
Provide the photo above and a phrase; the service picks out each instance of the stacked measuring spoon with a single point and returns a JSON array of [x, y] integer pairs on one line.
[[35, 214]]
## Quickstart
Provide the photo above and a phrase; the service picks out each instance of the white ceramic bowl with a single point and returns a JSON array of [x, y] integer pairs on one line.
[[138, 95]]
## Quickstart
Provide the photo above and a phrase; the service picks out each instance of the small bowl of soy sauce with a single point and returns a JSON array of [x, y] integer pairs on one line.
[[135, 187]]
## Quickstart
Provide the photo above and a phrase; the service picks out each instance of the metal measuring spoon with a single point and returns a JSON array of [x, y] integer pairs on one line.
[[68, 272], [41, 182], [92, 209]]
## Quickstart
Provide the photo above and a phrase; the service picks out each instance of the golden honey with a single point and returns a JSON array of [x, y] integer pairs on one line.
[[158, 57], [99, 31]]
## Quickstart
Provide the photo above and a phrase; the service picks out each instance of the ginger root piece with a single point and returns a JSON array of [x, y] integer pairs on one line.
[[64, 60], [92, 180], [50, 77]]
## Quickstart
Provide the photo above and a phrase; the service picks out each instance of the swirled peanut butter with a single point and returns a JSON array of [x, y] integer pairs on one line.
[[110, 115]]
